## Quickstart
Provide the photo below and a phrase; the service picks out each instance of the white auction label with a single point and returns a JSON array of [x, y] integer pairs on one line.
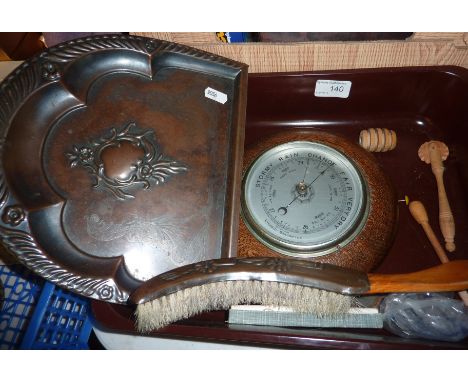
[[215, 95], [330, 88]]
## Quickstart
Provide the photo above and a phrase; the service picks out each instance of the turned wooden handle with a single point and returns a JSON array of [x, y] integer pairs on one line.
[[378, 139], [446, 222], [420, 215], [435, 152], [451, 276]]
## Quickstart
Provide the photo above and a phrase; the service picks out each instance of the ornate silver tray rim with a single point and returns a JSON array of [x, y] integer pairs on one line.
[[42, 69]]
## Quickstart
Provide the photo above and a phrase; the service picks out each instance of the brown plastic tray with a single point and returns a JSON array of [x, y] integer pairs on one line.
[[420, 104]]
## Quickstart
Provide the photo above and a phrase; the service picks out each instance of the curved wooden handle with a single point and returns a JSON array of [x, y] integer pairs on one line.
[[446, 222], [447, 277]]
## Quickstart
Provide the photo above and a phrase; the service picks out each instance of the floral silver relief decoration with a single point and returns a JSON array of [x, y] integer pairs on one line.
[[13, 215], [152, 168], [50, 71], [151, 45]]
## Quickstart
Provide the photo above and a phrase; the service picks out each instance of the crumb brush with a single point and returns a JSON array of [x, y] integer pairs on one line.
[[305, 286]]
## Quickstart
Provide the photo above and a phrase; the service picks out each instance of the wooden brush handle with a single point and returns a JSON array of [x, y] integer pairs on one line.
[[446, 277], [420, 215]]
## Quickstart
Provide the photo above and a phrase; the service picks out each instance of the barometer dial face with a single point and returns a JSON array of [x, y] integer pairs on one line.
[[304, 199]]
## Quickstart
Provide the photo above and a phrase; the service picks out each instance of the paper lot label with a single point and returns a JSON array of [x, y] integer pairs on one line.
[[215, 95], [330, 88]]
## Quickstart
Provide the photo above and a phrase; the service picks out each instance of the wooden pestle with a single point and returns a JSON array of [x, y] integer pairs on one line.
[[434, 152], [420, 215]]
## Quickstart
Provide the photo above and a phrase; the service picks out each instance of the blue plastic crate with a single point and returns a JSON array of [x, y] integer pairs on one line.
[[36, 314]]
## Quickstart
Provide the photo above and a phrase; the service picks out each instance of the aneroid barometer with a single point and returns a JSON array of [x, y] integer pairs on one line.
[[304, 198], [315, 196]]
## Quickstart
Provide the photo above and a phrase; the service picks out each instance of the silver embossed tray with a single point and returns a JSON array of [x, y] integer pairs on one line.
[[120, 160]]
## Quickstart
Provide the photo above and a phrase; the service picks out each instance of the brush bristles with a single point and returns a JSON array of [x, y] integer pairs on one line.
[[188, 302]]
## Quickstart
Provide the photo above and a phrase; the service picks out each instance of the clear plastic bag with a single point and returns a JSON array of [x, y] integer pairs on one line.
[[434, 316]]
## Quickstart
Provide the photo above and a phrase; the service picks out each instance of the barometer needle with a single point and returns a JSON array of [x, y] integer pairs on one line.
[[319, 175], [305, 173], [285, 208]]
